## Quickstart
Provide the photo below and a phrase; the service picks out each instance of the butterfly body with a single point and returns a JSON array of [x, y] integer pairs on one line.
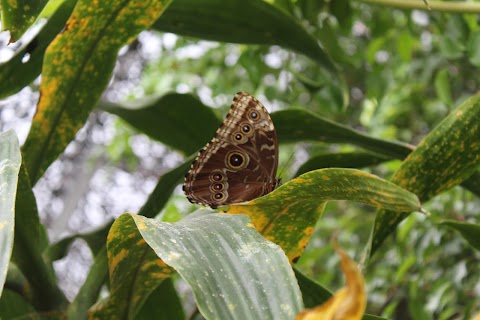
[[240, 163]]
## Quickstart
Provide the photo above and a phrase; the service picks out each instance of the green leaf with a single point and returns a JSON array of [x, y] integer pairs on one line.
[[162, 304], [10, 161], [446, 157], [242, 275], [19, 15], [135, 271], [160, 117], [296, 125], [95, 240], [77, 67], [14, 306], [30, 241], [164, 189], [16, 73], [287, 216], [342, 10], [450, 47], [241, 21], [474, 48], [469, 231], [442, 87], [313, 294], [88, 293], [372, 317], [356, 159]]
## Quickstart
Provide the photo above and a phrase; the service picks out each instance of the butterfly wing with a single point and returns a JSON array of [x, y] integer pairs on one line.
[[240, 163]]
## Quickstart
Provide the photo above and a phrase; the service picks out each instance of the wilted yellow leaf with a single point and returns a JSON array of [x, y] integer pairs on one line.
[[348, 303]]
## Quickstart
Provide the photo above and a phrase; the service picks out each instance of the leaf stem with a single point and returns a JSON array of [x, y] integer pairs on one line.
[[452, 7]]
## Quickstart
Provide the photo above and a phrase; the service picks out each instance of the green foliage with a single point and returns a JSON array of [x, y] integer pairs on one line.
[[355, 84]]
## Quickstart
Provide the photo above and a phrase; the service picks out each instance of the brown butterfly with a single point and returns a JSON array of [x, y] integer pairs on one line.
[[240, 163]]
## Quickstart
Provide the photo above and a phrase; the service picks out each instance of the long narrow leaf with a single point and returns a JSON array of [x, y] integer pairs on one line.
[[77, 67], [19, 15], [356, 159], [10, 161], [30, 241], [469, 231], [160, 117], [446, 157], [26, 64], [241, 21]]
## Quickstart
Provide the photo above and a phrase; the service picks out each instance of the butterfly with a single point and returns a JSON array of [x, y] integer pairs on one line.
[[240, 163]]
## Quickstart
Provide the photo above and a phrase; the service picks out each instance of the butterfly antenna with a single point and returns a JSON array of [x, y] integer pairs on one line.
[[287, 164]]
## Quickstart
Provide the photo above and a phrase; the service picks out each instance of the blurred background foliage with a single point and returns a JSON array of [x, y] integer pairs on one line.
[[405, 71]]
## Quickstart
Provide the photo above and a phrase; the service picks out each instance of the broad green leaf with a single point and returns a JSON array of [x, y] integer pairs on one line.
[[10, 161], [355, 159], [287, 216], [241, 21], [77, 67], [469, 231], [19, 15], [30, 241], [234, 272], [313, 294], [161, 118], [88, 293], [162, 304], [446, 157], [26, 64], [296, 125]]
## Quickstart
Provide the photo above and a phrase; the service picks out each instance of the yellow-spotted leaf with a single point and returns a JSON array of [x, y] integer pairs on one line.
[[346, 304], [18, 71], [234, 272], [10, 161], [288, 215], [76, 68], [446, 157], [135, 272], [19, 15]]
